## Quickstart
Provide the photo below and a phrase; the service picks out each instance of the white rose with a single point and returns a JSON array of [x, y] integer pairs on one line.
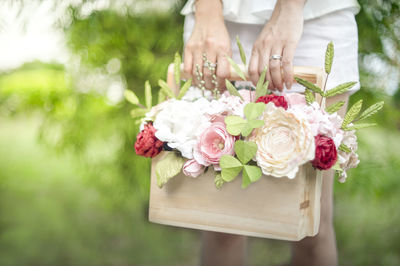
[[284, 142], [348, 160]]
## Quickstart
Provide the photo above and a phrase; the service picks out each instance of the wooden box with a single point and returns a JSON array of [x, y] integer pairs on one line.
[[277, 208]]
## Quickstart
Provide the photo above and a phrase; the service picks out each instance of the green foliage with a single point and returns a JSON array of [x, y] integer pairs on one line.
[[329, 57], [232, 90], [236, 125], [241, 50], [334, 107], [177, 68], [309, 85], [231, 167], [148, 95], [342, 88], [262, 87], [169, 166], [236, 68], [343, 147], [166, 89], [309, 96], [352, 113], [218, 181], [373, 109], [184, 88], [360, 126]]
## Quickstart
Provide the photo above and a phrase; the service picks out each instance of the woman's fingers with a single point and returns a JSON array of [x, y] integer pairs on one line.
[[287, 64], [275, 67], [253, 66], [223, 70], [187, 62]]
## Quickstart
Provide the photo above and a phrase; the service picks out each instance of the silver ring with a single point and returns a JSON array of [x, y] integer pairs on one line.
[[209, 64], [275, 57]]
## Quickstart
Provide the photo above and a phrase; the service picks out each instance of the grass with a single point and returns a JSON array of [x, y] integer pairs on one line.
[[53, 213]]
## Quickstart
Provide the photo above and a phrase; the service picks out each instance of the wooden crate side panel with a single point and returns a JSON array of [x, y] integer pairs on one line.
[[196, 203]]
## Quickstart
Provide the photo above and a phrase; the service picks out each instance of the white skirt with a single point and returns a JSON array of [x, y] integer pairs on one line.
[[339, 27]]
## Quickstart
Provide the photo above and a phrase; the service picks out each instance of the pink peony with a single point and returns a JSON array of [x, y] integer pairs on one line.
[[193, 168], [294, 99], [212, 143]]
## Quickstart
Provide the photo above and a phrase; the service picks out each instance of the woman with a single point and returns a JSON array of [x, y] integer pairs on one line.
[[278, 34]]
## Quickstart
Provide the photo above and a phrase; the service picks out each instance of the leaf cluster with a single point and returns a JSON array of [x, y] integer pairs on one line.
[[231, 166], [237, 125]]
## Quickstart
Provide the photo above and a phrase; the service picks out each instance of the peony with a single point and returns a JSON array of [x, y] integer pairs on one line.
[[279, 101], [178, 122], [320, 121], [325, 153], [284, 142], [212, 143], [193, 168], [294, 99], [348, 160], [147, 144], [233, 104]]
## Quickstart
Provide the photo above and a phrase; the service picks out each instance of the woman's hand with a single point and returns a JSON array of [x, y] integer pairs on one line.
[[280, 36], [209, 37]]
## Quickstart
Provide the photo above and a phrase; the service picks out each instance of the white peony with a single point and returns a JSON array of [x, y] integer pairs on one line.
[[284, 142], [348, 160]]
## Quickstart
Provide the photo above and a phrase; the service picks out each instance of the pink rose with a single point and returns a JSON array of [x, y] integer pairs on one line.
[[294, 99], [193, 168], [212, 143]]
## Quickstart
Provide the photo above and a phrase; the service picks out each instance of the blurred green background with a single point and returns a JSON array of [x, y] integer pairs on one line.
[[72, 190]]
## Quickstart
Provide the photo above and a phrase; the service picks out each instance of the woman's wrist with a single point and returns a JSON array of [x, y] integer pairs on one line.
[[208, 10]]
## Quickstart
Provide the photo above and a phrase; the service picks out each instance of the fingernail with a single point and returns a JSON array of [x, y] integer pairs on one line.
[[288, 85]]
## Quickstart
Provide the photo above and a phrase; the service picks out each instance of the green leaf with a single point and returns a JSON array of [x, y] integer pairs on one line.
[[166, 89], [352, 113], [247, 129], [373, 109], [253, 172], [147, 94], [184, 88], [232, 90], [177, 68], [231, 167], [236, 68], [261, 90], [337, 167], [245, 181], [241, 50], [168, 167], [245, 150], [309, 85], [234, 124], [329, 57], [254, 110], [360, 126], [309, 96], [256, 123], [344, 148], [218, 181], [161, 96], [131, 97], [342, 88], [138, 112], [334, 107]]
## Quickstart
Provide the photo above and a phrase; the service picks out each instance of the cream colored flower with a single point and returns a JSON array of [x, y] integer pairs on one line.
[[348, 160], [284, 142]]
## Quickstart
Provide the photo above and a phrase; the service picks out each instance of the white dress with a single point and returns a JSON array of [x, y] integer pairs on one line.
[[325, 21]]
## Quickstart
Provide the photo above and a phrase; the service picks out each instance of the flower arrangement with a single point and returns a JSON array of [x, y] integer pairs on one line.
[[250, 131]]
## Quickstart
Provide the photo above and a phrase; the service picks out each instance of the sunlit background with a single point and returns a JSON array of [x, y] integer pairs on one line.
[[72, 190]]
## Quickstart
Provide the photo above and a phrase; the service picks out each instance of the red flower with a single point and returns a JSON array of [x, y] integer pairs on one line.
[[147, 144], [325, 153], [279, 101]]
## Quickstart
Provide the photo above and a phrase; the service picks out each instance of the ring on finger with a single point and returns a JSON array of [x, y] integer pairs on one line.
[[275, 57]]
